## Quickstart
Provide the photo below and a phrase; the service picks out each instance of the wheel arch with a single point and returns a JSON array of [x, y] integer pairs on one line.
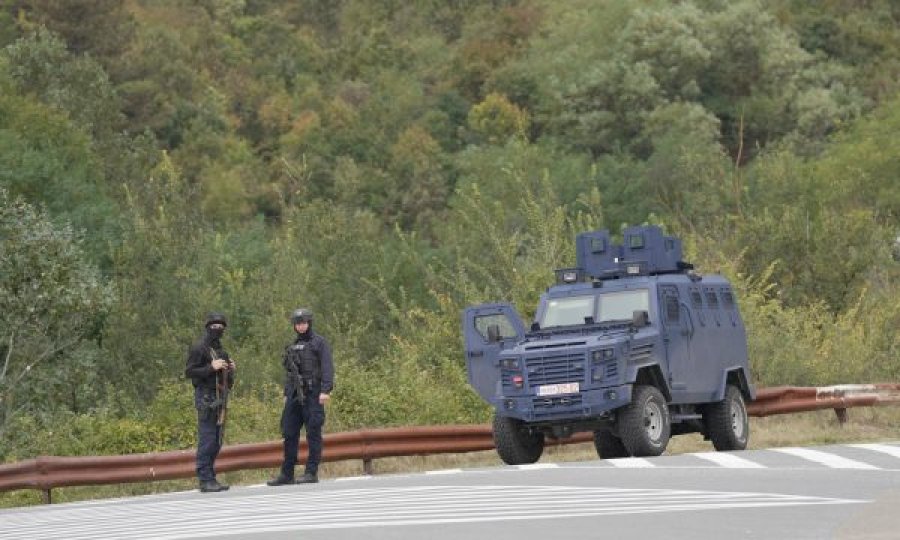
[[653, 376], [736, 376]]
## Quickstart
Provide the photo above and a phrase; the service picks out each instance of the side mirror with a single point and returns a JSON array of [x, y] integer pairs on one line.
[[640, 318], [493, 333], [535, 326]]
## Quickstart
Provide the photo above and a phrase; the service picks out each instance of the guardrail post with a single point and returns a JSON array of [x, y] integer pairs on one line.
[[368, 470], [842, 415], [45, 496]]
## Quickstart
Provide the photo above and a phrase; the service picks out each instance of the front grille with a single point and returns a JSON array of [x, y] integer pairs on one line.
[[612, 372], [546, 405], [558, 345], [506, 377], [641, 353], [554, 369]]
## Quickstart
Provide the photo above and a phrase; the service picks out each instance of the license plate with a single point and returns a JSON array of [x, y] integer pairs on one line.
[[556, 389]]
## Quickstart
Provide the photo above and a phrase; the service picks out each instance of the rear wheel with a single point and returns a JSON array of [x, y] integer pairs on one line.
[[644, 424], [726, 421], [608, 445], [515, 443]]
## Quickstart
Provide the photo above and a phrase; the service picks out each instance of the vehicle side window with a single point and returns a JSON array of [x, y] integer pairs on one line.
[[697, 306], [506, 328], [673, 310], [727, 299], [712, 300], [728, 305], [696, 299]]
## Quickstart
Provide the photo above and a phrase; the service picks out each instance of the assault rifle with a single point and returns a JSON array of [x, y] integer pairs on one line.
[[222, 394], [290, 362]]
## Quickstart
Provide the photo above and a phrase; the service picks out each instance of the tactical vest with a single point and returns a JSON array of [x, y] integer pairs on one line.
[[307, 361]]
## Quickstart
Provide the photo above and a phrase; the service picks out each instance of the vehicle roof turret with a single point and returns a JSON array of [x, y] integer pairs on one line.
[[645, 250]]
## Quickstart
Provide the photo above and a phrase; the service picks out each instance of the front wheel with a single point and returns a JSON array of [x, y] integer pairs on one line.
[[644, 424], [726, 421], [515, 443], [609, 446]]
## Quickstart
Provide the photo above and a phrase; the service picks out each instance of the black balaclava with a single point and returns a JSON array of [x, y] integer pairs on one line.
[[213, 335]]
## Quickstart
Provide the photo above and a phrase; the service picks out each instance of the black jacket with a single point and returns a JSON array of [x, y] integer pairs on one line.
[[199, 363], [319, 346]]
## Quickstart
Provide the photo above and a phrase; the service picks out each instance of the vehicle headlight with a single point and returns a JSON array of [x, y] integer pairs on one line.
[[601, 355], [509, 363]]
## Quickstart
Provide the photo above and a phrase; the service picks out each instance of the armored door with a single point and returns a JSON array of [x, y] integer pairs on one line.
[[678, 330], [487, 330]]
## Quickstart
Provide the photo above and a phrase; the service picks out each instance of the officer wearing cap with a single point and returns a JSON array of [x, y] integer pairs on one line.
[[205, 359], [308, 384]]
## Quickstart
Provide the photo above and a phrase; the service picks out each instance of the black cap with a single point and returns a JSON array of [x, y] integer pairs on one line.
[[301, 315], [215, 317]]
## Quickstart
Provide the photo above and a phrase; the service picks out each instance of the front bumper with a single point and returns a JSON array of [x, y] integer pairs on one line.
[[580, 406]]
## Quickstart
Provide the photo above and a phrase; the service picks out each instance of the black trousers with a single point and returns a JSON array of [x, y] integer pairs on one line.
[[207, 436], [310, 414]]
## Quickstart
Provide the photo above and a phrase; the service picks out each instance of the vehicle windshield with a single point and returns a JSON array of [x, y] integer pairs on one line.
[[567, 311], [617, 306]]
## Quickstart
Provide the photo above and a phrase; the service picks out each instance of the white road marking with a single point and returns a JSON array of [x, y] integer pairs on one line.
[[630, 463], [533, 466], [728, 460], [883, 448], [165, 517], [825, 458], [386, 507], [444, 471], [351, 478]]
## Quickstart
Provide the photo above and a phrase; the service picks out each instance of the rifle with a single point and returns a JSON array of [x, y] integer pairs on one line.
[[222, 392], [294, 372]]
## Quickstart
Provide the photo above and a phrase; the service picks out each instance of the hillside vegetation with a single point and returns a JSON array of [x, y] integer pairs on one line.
[[387, 163]]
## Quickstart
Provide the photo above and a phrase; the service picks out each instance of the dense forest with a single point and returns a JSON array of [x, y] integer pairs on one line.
[[388, 162]]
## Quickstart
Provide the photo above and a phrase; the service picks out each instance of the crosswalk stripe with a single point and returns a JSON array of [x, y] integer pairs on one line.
[[728, 460], [630, 463], [489, 518], [533, 466], [825, 458], [444, 471], [354, 508], [883, 448]]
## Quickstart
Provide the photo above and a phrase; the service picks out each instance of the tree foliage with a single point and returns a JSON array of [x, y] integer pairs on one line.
[[51, 299]]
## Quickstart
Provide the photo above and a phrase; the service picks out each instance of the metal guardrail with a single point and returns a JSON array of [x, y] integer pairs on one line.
[[793, 399], [48, 472]]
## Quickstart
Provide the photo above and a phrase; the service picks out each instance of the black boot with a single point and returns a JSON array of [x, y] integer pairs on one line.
[[308, 478], [281, 480], [211, 486]]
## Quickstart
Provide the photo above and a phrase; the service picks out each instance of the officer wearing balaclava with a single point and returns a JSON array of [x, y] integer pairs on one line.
[[205, 359], [308, 384]]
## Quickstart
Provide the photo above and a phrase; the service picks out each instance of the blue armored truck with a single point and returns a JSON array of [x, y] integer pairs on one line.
[[631, 344]]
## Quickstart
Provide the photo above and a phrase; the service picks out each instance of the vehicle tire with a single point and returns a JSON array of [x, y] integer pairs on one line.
[[608, 445], [644, 424], [515, 444], [726, 421]]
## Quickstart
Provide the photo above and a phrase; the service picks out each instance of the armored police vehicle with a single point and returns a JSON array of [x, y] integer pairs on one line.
[[631, 344]]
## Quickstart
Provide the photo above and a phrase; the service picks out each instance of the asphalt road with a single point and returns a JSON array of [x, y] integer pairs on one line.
[[842, 492]]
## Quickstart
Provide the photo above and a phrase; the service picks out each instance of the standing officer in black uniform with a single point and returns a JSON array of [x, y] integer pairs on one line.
[[308, 385], [206, 358]]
